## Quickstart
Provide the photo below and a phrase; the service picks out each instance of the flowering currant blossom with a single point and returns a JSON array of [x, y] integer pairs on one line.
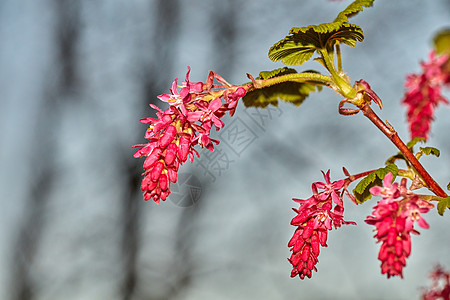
[[315, 217], [394, 217], [193, 111], [424, 94], [440, 287]]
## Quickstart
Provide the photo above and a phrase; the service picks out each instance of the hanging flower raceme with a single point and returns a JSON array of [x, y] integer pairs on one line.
[[193, 111], [315, 217], [424, 94], [394, 217], [440, 287]]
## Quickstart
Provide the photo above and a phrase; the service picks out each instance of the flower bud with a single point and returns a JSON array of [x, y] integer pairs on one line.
[[183, 148], [171, 154], [152, 158], [156, 171], [168, 136], [163, 182]]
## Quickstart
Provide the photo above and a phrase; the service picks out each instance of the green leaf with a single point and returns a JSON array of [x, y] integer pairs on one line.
[[274, 73], [442, 41], [361, 191], [410, 145], [300, 45], [414, 141], [353, 9], [293, 92], [442, 205], [430, 150]]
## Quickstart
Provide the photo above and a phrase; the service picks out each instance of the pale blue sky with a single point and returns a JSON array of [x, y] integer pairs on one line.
[[237, 245]]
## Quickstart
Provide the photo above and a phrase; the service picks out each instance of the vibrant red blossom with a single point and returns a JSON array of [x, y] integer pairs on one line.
[[440, 286], [389, 191], [394, 216], [174, 133], [314, 218], [188, 89], [424, 94], [329, 187]]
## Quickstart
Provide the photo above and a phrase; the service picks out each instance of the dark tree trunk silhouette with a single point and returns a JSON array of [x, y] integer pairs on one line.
[[43, 164], [153, 83], [68, 31], [224, 17], [130, 234], [224, 33], [29, 234]]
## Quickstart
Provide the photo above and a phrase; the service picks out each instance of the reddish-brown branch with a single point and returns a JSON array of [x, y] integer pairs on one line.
[[393, 136], [352, 178]]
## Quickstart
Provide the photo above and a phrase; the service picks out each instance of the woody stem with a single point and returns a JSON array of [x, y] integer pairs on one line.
[[352, 178], [395, 139]]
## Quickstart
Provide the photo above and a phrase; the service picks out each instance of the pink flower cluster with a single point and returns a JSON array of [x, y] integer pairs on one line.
[[424, 94], [315, 217], [394, 217], [187, 122], [440, 287]]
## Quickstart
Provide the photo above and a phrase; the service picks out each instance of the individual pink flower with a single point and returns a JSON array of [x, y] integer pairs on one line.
[[314, 218], [174, 133], [188, 89], [412, 211], [211, 113], [424, 94], [330, 188], [203, 137], [394, 216], [389, 191], [232, 98]]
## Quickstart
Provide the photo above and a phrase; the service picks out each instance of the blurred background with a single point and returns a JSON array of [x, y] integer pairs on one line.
[[76, 77]]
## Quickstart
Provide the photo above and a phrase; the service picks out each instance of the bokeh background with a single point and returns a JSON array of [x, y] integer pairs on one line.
[[76, 77]]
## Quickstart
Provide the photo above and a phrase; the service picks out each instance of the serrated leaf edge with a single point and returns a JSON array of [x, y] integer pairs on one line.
[[352, 9], [414, 141], [430, 150], [380, 173]]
